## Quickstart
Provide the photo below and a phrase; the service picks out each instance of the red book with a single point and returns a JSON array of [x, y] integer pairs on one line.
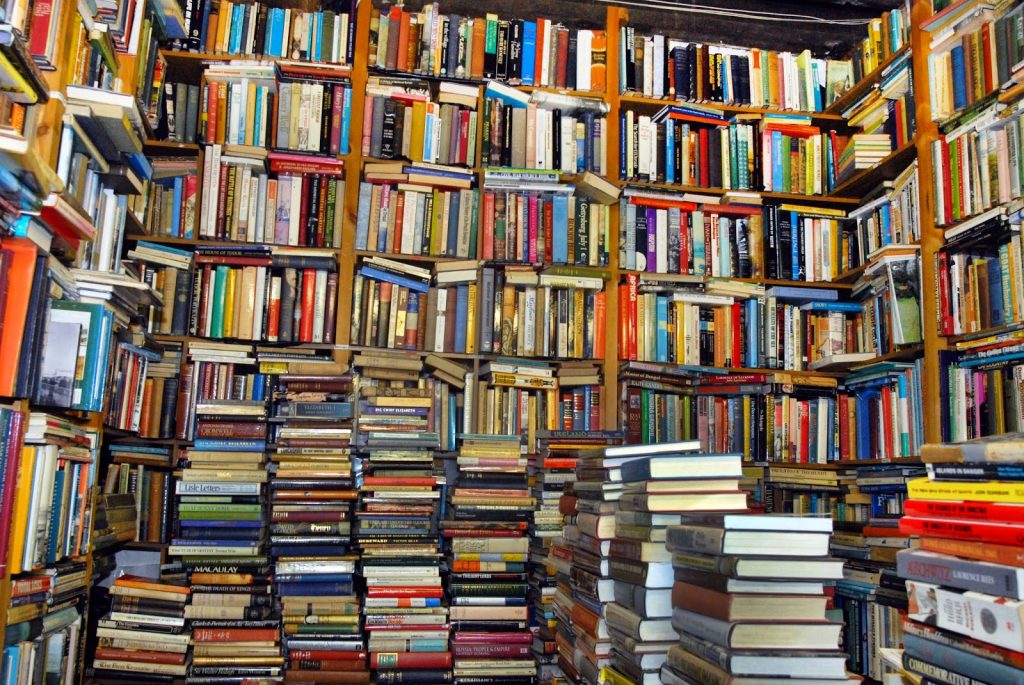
[[962, 529], [491, 650], [210, 132], [405, 591], [231, 429], [600, 323], [21, 587], [298, 675], [333, 665], [737, 336], [887, 422], [705, 157], [235, 635], [844, 426], [42, 15], [805, 429], [303, 212], [396, 480], [139, 656], [308, 304], [321, 212], [395, 241], [21, 268], [385, 660], [684, 242], [367, 125], [947, 195], [632, 288], [320, 654], [463, 157], [945, 311], [402, 57], [337, 107], [562, 47], [204, 294], [974, 511], [488, 228]]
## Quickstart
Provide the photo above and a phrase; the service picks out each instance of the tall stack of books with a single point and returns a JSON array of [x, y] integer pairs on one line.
[[144, 634], [221, 540], [404, 614], [749, 600], [311, 498], [964, 583], [488, 549], [659, 484]]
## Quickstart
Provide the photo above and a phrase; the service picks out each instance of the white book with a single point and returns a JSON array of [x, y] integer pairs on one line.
[[293, 214], [275, 296], [259, 305], [658, 86], [442, 310], [530, 319], [584, 43], [254, 227], [242, 200], [319, 305], [259, 224], [644, 153], [649, 66], [211, 174], [567, 140], [408, 222], [661, 240], [316, 110]]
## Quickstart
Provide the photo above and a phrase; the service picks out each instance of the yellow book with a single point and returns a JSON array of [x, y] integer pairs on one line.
[[471, 307], [229, 303], [22, 497], [293, 117], [609, 676], [577, 322], [222, 26], [14, 86], [814, 211], [991, 491], [419, 112], [250, 114]]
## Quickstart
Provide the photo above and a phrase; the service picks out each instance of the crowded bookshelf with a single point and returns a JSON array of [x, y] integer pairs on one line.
[[593, 343]]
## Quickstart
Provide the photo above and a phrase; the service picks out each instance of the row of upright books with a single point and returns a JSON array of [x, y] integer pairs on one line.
[[541, 52]]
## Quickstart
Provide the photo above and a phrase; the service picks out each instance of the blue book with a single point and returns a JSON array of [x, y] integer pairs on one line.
[[257, 120], [885, 223], [995, 292], [560, 229], [777, 161], [276, 32], [461, 316], [192, 523], [670, 154], [346, 119], [622, 146], [315, 589], [412, 309], [753, 338], [588, 401], [139, 163], [816, 79], [529, 54], [959, 77], [454, 210], [831, 306], [393, 278], [661, 338], [259, 389], [798, 237], [237, 18], [176, 209], [169, 250], [315, 34], [864, 400], [994, 360], [230, 445], [793, 293], [363, 215], [55, 515]]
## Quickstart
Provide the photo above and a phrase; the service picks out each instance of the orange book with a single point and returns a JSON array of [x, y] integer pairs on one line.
[[585, 619], [476, 68], [143, 583], [211, 32], [600, 327], [540, 78], [599, 62], [1009, 555], [147, 405], [403, 42], [156, 498], [20, 270], [222, 108], [773, 79], [396, 239]]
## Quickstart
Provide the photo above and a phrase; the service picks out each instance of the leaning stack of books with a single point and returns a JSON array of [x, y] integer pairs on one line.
[[221, 541], [404, 614], [749, 600], [964, 583], [659, 484], [144, 634], [311, 502], [488, 549], [864, 151]]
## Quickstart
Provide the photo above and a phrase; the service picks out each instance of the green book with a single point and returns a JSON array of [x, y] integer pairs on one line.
[[218, 295]]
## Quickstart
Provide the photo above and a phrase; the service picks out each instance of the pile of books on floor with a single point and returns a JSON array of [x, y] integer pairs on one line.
[[311, 500], [144, 634], [749, 600], [964, 583], [404, 613], [488, 550], [659, 484], [221, 542]]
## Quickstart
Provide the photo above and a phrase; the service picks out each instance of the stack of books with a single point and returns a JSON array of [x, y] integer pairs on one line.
[[580, 392], [658, 483], [144, 634], [963, 583], [221, 541], [516, 396], [405, 615], [311, 502], [490, 507], [864, 151], [553, 469], [749, 600]]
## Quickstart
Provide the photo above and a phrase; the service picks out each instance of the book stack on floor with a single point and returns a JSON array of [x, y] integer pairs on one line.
[[404, 615], [550, 469], [659, 484], [311, 500], [964, 583], [221, 540], [143, 637], [488, 549], [749, 601]]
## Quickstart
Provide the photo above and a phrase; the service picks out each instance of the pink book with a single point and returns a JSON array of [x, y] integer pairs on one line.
[[532, 223], [282, 217]]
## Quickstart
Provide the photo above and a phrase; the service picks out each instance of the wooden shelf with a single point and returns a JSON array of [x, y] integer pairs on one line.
[[163, 148], [199, 242], [863, 182], [863, 86], [905, 354], [636, 99]]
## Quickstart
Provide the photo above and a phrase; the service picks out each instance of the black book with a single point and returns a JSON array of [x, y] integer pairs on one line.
[[378, 125], [570, 66], [387, 131], [506, 130], [261, 27], [399, 129], [556, 147], [660, 137], [743, 80], [784, 245], [449, 47], [634, 167], [288, 294], [413, 677], [515, 50], [630, 60], [692, 66], [769, 218], [715, 157], [27, 382], [326, 111], [680, 72], [502, 57], [678, 150], [741, 255], [799, 272], [182, 309]]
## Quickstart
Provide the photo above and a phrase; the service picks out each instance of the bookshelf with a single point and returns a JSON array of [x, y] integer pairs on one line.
[[603, 267]]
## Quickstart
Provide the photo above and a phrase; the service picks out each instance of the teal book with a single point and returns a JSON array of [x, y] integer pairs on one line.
[[218, 295]]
